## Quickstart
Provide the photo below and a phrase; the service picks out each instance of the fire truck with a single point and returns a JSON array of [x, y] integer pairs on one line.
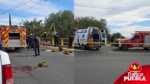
[[138, 39], [13, 36]]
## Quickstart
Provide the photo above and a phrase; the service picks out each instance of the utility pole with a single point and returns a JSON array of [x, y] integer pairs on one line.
[[9, 20]]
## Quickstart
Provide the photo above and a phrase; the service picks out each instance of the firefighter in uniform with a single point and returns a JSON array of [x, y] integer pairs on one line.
[[45, 39], [70, 41], [37, 44], [56, 40], [30, 41]]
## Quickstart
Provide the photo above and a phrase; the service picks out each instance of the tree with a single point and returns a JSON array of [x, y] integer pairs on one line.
[[85, 22], [64, 22], [118, 35], [33, 26]]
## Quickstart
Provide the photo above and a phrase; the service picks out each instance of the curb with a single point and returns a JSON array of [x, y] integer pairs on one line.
[[57, 49]]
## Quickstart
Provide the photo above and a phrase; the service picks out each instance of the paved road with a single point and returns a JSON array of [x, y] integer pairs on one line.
[[105, 68], [60, 68]]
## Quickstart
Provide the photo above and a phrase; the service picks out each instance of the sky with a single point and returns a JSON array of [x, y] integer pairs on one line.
[[30, 9], [123, 16]]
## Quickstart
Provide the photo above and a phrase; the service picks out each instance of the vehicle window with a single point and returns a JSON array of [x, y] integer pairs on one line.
[[103, 35], [137, 37]]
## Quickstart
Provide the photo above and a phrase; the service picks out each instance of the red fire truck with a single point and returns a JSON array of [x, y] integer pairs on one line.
[[13, 36], [138, 39]]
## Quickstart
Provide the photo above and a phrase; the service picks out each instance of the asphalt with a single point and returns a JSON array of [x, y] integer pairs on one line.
[[91, 67], [60, 68]]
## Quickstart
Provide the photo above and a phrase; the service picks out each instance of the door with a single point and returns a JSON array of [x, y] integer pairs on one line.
[[100, 39], [147, 41], [136, 41], [103, 36]]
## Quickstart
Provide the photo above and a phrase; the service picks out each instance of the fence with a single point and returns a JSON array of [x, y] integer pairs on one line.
[[62, 41]]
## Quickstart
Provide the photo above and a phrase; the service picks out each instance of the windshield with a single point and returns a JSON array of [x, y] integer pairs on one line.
[[129, 37]]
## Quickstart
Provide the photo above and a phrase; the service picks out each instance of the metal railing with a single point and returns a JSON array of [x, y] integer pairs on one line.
[[62, 41]]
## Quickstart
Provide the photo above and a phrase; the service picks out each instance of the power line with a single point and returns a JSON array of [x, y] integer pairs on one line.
[[105, 8], [31, 7], [105, 13], [15, 7]]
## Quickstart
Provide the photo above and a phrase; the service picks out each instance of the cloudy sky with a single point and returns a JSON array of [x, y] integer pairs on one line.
[[30, 9], [124, 16]]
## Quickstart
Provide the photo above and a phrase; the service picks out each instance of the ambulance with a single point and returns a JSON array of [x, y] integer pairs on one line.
[[138, 39], [89, 38], [13, 36]]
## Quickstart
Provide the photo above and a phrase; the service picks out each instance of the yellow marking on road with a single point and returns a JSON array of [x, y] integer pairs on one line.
[[111, 52]]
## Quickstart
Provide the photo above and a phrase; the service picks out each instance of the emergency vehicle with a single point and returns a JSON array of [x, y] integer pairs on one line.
[[89, 38], [6, 74], [138, 39], [13, 36]]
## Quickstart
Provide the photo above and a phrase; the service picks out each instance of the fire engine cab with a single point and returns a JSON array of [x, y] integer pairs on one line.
[[138, 39]]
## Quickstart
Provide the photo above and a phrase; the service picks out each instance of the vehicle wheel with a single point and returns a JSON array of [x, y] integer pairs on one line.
[[145, 48], [125, 47], [97, 48], [83, 47]]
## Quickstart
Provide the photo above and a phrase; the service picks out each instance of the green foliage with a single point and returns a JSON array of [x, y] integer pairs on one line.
[[85, 22], [33, 26], [64, 22], [118, 35]]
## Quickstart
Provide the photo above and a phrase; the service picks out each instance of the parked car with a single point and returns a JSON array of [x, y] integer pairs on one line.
[[6, 75]]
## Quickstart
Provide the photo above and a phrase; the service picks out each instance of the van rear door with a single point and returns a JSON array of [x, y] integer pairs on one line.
[[103, 36]]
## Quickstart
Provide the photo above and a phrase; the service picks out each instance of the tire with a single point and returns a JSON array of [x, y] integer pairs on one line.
[[125, 47], [145, 48], [83, 47], [97, 49]]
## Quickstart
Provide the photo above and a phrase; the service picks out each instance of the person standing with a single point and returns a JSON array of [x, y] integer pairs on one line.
[[70, 41], [30, 41], [37, 45], [45, 39], [56, 40], [109, 38], [112, 40], [27, 39]]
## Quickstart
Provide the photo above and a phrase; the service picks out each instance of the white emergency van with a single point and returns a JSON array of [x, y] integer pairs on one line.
[[6, 76], [92, 37]]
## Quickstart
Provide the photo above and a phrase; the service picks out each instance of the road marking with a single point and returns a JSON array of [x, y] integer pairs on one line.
[[112, 52]]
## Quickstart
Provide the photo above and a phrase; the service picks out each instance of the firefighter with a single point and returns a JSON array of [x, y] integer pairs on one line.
[[37, 44], [70, 41], [30, 41], [109, 38], [45, 39], [56, 40], [112, 40]]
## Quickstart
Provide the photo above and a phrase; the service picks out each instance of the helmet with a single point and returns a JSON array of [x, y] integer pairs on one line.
[[30, 34], [45, 32]]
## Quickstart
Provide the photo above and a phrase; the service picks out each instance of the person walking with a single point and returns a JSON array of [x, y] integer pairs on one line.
[[56, 40], [112, 40], [37, 45], [70, 41], [30, 41]]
